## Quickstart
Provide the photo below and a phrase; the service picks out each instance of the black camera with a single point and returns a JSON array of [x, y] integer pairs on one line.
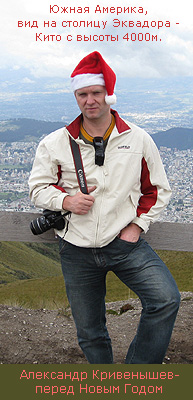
[[99, 150], [49, 219]]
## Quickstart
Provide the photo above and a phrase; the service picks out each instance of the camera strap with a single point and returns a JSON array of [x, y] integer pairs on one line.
[[78, 166]]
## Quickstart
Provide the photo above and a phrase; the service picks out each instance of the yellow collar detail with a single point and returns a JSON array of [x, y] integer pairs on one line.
[[85, 135]]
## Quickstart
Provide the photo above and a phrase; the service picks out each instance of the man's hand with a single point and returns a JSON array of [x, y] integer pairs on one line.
[[80, 203], [130, 233]]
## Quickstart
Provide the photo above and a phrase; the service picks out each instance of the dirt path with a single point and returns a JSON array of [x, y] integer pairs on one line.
[[49, 337]]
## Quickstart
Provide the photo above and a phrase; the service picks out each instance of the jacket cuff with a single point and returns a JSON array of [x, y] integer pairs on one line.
[[59, 201], [141, 223]]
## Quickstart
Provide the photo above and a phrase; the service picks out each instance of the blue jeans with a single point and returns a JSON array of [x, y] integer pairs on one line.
[[140, 268]]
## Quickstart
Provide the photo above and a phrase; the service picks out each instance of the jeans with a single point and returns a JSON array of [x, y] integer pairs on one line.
[[140, 268]]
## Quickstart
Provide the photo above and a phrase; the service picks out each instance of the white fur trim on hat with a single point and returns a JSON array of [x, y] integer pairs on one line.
[[110, 99], [84, 80]]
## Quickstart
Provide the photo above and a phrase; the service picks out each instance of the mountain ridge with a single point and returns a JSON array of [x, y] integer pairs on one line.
[[180, 138], [14, 130]]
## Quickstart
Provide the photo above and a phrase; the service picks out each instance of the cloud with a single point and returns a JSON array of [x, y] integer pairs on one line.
[[27, 80], [173, 55]]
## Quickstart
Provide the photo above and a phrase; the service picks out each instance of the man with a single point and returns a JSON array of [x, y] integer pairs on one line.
[[127, 190]]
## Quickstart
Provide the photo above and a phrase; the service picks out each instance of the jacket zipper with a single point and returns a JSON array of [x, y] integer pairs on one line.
[[99, 209]]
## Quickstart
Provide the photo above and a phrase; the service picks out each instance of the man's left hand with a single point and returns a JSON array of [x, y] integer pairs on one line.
[[130, 233]]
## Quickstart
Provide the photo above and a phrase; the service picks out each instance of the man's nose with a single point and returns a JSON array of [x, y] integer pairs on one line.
[[90, 99]]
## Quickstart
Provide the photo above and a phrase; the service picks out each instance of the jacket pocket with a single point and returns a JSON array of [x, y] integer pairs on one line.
[[129, 243]]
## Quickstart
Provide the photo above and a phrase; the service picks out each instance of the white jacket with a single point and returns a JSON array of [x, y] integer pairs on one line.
[[131, 186]]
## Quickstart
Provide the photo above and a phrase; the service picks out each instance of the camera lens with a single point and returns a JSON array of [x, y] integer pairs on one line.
[[39, 225]]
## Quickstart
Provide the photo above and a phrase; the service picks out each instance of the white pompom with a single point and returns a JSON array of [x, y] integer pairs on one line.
[[110, 99]]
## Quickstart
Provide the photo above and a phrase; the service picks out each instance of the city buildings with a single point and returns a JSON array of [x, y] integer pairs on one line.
[[16, 160]]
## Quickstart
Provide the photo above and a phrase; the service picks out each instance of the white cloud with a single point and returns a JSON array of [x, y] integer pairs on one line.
[[27, 80], [173, 55]]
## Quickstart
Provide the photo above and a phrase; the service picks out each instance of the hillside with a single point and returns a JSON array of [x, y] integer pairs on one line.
[[30, 275], [180, 138], [23, 129], [21, 261]]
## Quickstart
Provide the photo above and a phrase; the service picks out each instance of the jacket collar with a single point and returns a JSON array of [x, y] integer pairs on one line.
[[74, 127]]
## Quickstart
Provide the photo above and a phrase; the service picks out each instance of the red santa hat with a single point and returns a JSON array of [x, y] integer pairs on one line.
[[93, 70]]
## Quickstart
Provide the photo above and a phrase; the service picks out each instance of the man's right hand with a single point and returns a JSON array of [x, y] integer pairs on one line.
[[80, 203]]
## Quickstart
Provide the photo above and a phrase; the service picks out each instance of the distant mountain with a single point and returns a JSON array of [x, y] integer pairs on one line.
[[179, 138], [24, 129]]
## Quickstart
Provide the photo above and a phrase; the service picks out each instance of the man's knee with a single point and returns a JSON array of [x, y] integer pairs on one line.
[[175, 298], [170, 298], [164, 299]]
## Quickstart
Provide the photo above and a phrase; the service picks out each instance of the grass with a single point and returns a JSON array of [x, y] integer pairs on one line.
[[31, 276], [46, 293], [180, 264], [20, 261], [50, 292]]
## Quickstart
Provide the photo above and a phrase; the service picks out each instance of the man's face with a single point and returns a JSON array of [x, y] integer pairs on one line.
[[91, 101]]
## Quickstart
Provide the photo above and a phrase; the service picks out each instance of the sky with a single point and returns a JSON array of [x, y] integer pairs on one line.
[[168, 57]]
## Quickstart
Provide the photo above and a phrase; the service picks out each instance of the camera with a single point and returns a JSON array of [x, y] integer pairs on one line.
[[99, 150], [49, 219]]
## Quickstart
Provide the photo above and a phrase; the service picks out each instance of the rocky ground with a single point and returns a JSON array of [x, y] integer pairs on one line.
[[49, 337]]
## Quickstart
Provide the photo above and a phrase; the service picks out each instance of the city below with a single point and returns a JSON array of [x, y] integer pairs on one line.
[[30, 107], [16, 160]]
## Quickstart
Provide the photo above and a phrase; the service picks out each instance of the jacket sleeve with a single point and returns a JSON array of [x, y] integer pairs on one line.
[[45, 191], [155, 189]]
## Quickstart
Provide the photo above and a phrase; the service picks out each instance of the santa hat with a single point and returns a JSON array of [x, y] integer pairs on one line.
[[93, 70]]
